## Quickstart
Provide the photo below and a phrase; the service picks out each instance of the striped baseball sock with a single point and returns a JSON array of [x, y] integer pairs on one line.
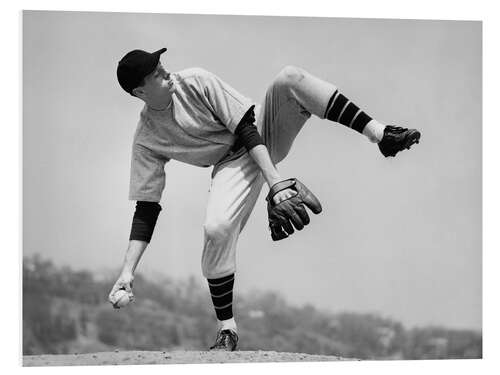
[[342, 110], [221, 290]]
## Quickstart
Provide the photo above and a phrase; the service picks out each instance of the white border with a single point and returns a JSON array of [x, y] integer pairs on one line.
[[422, 9]]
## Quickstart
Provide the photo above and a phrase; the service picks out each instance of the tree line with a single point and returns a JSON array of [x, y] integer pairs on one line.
[[66, 311]]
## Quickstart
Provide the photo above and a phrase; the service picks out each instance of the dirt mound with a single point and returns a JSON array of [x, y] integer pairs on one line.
[[148, 357]]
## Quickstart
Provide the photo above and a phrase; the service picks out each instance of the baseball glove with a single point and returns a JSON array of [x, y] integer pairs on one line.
[[290, 213]]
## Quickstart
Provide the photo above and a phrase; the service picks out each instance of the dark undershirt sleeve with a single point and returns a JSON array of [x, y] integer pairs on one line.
[[247, 133], [144, 221]]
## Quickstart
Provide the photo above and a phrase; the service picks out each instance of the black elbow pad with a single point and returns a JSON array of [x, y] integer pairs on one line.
[[144, 221], [247, 132]]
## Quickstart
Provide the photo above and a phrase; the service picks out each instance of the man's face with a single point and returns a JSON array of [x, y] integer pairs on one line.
[[156, 84]]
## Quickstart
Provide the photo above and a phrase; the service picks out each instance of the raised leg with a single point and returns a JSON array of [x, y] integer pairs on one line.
[[292, 98], [295, 95]]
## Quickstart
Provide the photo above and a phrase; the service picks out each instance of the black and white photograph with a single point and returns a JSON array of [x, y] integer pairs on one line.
[[245, 188]]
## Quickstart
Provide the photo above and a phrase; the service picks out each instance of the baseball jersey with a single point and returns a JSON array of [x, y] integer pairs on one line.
[[196, 128]]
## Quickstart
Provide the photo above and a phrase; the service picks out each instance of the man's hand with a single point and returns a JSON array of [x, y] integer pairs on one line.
[[290, 210], [283, 195], [124, 282]]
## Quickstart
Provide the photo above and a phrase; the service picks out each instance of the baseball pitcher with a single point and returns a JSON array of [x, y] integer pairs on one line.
[[195, 117]]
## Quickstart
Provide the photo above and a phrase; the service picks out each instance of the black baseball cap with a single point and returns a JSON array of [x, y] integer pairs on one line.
[[136, 65]]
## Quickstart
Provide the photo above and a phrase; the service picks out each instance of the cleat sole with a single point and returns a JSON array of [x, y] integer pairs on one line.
[[413, 138]]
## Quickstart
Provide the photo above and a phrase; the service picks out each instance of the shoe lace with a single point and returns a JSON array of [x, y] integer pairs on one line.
[[222, 338], [397, 129]]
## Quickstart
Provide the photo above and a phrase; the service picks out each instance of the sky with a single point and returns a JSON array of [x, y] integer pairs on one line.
[[400, 237]]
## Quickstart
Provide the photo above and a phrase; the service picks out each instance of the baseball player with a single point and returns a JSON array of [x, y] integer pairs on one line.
[[195, 117]]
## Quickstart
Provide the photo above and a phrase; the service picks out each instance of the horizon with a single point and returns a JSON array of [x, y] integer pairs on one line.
[[158, 277]]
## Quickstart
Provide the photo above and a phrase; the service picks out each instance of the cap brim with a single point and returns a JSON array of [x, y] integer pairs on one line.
[[160, 51], [155, 58], [156, 55]]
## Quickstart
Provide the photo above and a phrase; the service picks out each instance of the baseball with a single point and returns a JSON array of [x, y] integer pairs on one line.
[[122, 298]]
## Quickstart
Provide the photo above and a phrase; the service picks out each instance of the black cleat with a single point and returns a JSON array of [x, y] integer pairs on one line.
[[227, 340], [397, 139]]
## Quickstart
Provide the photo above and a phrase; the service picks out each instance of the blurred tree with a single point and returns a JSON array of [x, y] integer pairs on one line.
[[61, 306]]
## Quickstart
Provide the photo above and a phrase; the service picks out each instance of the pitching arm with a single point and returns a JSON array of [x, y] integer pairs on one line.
[[143, 224]]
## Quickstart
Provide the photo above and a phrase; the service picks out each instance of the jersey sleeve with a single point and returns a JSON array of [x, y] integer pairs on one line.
[[147, 175], [226, 102]]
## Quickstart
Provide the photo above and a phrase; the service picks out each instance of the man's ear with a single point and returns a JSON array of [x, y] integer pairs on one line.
[[139, 92]]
